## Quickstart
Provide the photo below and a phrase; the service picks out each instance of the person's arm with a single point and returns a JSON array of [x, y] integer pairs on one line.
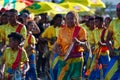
[[36, 29], [2, 69], [26, 69], [108, 43]]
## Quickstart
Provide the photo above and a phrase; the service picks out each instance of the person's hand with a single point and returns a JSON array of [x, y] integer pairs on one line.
[[23, 74]]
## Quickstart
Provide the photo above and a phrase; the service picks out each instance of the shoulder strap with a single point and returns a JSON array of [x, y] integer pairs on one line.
[[29, 38], [17, 61], [19, 28], [76, 31]]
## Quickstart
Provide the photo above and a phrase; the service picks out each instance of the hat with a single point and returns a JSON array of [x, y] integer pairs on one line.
[[16, 36], [118, 5]]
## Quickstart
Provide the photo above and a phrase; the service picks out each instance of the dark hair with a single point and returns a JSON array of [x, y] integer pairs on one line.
[[99, 18], [14, 11], [55, 18], [16, 36]]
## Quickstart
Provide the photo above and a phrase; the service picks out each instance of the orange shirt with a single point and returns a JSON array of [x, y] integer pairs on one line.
[[65, 38]]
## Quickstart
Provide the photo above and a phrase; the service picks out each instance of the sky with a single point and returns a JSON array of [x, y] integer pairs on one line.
[[114, 2]]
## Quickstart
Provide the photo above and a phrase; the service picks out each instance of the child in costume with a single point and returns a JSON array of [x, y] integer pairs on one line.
[[12, 56]]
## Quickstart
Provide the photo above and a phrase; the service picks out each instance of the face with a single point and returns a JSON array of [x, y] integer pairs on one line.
[[118, 12], [70, 20], [12, 43], [12, 17], [30, 27], [91, 24], [4, 19], [98, 23], [58, 21]]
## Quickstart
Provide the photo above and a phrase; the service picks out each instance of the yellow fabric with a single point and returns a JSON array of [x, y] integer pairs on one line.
[[7, 29], [50, 32], [10, 56], [57, 31], [32, 40], [65, 38], [97, 36], [115, 28], [2, 37], [90, 35]]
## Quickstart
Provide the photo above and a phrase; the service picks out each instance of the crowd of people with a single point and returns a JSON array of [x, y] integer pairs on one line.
[[66, 47]]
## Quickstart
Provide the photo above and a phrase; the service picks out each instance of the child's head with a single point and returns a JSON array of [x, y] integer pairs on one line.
[[15, 39]]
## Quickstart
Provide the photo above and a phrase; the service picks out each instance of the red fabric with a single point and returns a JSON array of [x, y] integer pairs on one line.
[[17, 61], [119, 48], [29, 39], [76, 31], [8, 76], [104, 48], [103, 35], [19, 28], [27, 2], [75, 34]]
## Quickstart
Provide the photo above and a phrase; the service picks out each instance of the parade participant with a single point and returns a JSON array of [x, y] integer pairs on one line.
[[70, 67], [30, 49], [101, 54], [113, 71], [89, 27], [50, 33], [12, 56], [13, 25]]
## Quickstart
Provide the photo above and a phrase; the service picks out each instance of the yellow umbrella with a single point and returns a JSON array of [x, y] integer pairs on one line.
[[75, 6], [84, 2], [96, 3], [46, 7]]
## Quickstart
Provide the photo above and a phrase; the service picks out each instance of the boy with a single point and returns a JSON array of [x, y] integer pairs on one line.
[[12, 56]]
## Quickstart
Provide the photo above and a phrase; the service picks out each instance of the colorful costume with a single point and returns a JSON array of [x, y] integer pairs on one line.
[[101, 54], [113, 71], [10, 56], [72, 67], [32, 71]]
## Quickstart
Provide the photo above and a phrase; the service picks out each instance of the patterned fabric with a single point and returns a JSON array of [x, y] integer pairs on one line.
[[113, 69], [65, 38], [71, 69]]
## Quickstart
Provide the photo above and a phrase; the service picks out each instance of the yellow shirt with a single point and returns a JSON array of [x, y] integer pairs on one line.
[[50, 32], [10, 56], [97, 36], [65, 37], [2, 33], [115, 28], [90, 35], [7, 29], [32, 40]]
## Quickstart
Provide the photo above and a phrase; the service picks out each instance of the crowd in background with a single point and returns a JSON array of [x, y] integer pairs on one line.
[[44, 43]]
